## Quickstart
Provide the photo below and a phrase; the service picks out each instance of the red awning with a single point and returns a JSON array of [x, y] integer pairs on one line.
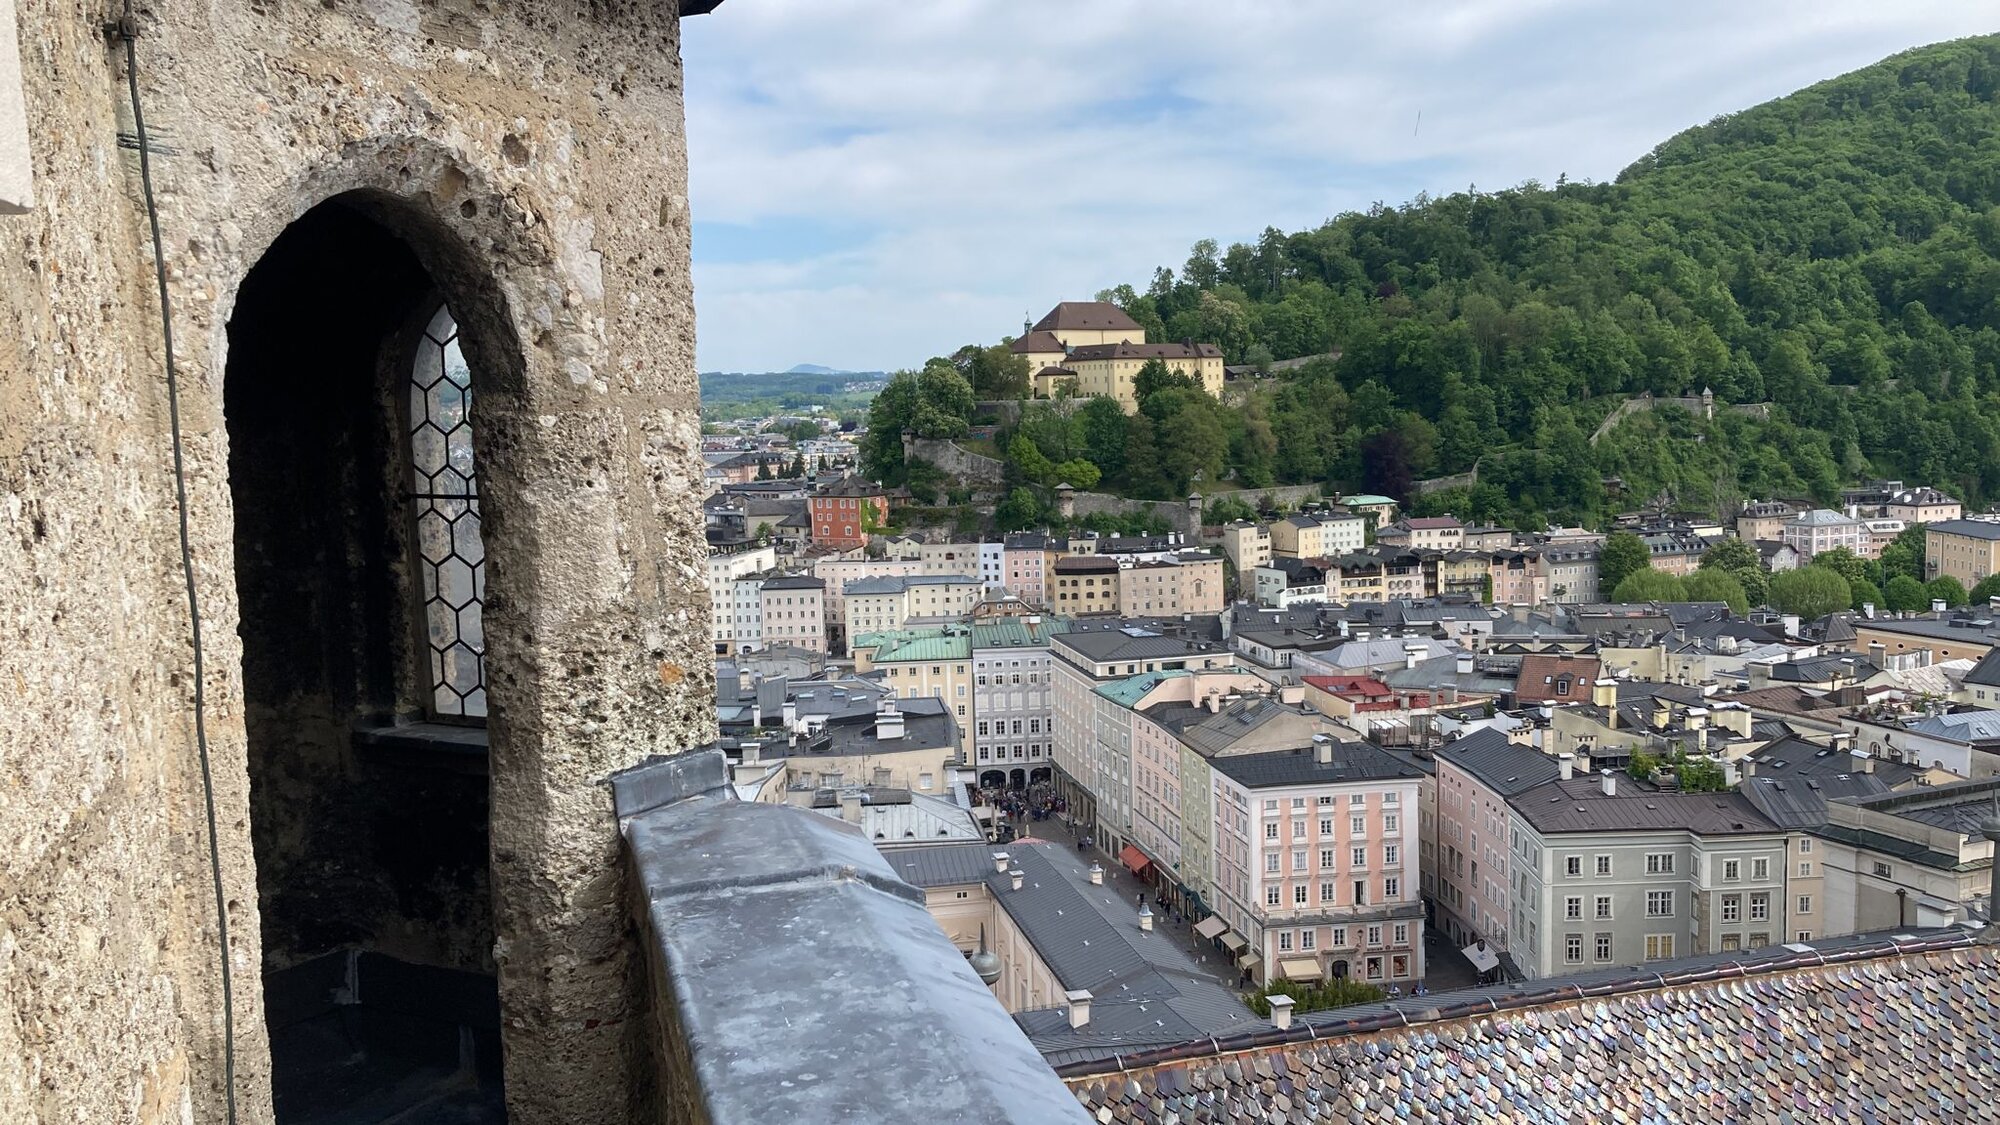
[[1134, 859]]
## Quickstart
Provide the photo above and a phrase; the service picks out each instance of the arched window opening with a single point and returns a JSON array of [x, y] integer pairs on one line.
[[444, 497]]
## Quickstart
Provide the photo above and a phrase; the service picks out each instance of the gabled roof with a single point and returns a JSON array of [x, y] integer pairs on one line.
[[1087, 316], [1580, 805], [1971, 529], [1351, 762], [1986, 673], [1800, 802], [1500, 765]]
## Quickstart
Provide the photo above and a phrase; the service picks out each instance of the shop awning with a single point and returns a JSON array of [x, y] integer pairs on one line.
[[1249, 963], [1299, 968], [1134, 859], [1210, 926], [1483, 956], [1234, 942]]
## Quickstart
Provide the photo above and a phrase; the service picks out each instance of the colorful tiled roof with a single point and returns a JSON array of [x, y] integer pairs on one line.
[[1913, 1035]]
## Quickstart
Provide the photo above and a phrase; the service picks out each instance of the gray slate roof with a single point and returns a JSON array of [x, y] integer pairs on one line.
[[1351, 761], [1800, 802], [1580, 805], [1500, 765]]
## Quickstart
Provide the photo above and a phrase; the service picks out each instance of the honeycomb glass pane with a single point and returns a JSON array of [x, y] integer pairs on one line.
[[449, 546]]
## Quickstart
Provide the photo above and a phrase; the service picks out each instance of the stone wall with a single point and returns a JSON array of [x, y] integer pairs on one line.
[[975, 469], [532, 160]]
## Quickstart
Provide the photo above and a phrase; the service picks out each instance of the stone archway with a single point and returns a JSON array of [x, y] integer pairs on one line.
[[590, 528]]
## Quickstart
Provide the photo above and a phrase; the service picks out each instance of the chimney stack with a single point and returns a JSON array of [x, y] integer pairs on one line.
[[1017, 877], [1609, 781], [1464, 664], [888, 722], [1323, 749], [1568, 762], [1604, 693], [1145, 918], [1938, 606], [1079, 1007], [1410, 654], [1096, 875], [1000, 860], [1281, 1011], [850, 807]]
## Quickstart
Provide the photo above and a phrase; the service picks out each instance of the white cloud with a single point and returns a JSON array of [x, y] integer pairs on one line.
[[982, 158]]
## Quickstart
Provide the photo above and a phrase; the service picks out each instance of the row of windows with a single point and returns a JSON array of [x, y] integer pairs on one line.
[[1306, 940], [1034, 727], [1356, 826], [1392, 890], [1391, 856]]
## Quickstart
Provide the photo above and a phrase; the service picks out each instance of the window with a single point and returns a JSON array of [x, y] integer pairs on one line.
[[1271, 830], [1390, 854], [1805, 869], [983, 732], [1360, 857], [1573, 908], [1400, 933], [1326, 892], [1308, 939], [1573, 866], [1391, 887], [1298, 802], [1338, 937], [1388, 798], [1357, 799], [1760, 908], [1603, 907], [1731, 942], [1662, 863], [1732, 869], [1659, 904], [1284, 941], [1391, 824], [1732, 908], [1298, 859], [1882, 871], [1271, 896], [1271, 863], [1603, 865], [1759, 941], [1374, 968], [1326, 826], [1805, 844], [1603, 946], [1271, 805], [1298, 830], [1326, 799], [1357, 826], [1374, 935], [1760, 869], [1659, 947], [1805, 904], [1326, 857], [1573, 949], [1804, 935], [1299, 894], [1360, 892], [444, 494]]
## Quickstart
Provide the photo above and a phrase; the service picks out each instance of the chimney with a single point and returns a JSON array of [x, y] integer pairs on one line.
[[1661, 714], [1410, 654], [1281, 1010], [1878, 653], [1696, 718], [850, 807], [888, 722], [1000, 861], [791, 714], [1096, 875], [1568, 765], [1938, 606], [1760, 675], [1464, 664], [1609, 782], [1079, 1007], [1323, 749], [1604, 693], [1748, 767], [1842, 741], [1868, 610], [1017, 877], [1145, 918]]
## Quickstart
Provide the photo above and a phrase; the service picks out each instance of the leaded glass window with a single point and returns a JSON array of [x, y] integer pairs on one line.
[[451, 558]]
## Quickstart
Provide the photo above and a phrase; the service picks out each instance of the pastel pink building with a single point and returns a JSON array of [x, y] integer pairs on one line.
[[1316, 862], [1475, 775]]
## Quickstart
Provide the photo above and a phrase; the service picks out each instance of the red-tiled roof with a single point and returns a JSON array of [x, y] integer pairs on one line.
[[1036, 342], [1543, 673]]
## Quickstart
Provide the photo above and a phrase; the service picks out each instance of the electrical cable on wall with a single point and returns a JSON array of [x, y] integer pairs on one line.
[[126, 29]]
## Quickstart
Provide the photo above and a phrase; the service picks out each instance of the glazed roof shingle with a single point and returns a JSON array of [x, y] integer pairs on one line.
[[1893, 1032]]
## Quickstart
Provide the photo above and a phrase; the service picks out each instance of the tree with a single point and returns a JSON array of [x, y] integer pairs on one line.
[[764, 533], [1810, 592], [933, 403], [1104, 431], [1986, 589], [1019, 511], [1843, 562], [1154, 377], [1623, 553], [1711, 584], [1866, 593], [763, 469], [1905, 594], [1904, 555], [1027, 461], [1078, 474], [1944, 588], [993, 373], [1740, 561], [1649, 585], [1644, 764], [1699, 775]]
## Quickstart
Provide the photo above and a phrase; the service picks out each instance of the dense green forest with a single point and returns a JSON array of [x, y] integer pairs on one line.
[[1831, 253]]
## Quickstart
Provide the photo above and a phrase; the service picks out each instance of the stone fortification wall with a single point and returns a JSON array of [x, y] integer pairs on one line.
[[532, 157]]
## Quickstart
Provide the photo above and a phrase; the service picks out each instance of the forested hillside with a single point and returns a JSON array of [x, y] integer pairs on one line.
[[1832, 252]]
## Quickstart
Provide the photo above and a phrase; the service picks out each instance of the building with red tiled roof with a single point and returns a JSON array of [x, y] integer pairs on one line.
[[1555, 677]]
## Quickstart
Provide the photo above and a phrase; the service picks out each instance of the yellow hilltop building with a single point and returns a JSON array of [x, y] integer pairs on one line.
[[1098, 350]]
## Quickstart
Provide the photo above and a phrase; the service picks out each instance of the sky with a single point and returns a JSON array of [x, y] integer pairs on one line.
[[875, 182]]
